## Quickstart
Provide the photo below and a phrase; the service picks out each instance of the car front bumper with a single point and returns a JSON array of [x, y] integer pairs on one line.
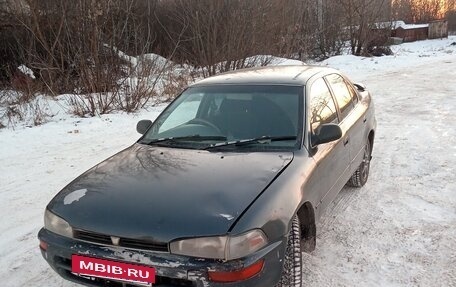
[[171, 270]]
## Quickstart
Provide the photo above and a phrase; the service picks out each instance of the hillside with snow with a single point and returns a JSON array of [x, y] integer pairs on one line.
[[398, 230]]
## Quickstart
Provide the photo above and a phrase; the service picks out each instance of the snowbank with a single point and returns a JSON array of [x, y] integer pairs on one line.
[[406, 55]]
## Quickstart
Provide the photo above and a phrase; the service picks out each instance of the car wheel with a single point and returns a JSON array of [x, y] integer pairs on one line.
[[359, 178], [292, 265]]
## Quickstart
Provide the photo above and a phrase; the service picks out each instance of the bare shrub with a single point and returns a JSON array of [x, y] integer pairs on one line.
[[37, 111], [175, 83], [231, 65], [65, 41], [330, 34], [137, 97], [16, 107], [90, 50], [89, 105], [142, 78], [361, 17], [218, 36]]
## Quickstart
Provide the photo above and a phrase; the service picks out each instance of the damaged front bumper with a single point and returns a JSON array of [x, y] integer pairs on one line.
[[171, 270]]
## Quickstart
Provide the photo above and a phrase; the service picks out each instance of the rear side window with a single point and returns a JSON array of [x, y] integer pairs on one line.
[[322, 106], [353, 93], [342, 93]]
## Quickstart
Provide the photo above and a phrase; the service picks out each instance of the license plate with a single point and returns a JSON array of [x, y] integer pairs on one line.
[[102, 268]]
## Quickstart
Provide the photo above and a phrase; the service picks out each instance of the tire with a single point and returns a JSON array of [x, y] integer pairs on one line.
[[292, 265], [360, 176]]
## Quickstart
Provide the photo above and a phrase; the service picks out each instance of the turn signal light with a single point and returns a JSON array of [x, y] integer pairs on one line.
[[43, 245], [238, 275]]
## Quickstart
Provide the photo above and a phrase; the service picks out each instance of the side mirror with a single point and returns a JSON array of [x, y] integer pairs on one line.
[[361, 87], [143, 125], [327, 133]]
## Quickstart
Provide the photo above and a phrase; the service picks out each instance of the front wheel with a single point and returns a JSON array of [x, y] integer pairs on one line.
[[360, 176], [292, 265]]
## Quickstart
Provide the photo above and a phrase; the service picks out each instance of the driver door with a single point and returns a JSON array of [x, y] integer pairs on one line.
[[332, 159]]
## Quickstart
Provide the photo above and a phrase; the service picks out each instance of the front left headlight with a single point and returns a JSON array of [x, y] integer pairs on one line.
[[57, 225], [221, 247]]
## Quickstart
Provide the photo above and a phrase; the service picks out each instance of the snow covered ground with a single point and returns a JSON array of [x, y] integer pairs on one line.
[[399, 230]]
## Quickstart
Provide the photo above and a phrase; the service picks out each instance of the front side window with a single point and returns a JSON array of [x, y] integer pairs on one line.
[[342, 94], [322, 106], [209, 115]]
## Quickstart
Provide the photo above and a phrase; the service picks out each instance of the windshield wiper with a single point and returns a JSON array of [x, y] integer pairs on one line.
[[246, 142], [186, 138]]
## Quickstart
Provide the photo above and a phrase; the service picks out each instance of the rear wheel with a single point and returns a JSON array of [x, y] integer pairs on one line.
[[292, 265], [360, 176]]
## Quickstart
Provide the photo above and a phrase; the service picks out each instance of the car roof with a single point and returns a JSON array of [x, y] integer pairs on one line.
[[271, 75]]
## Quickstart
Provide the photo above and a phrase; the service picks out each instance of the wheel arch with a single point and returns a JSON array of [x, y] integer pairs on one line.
[[306, 215], [371, 137]]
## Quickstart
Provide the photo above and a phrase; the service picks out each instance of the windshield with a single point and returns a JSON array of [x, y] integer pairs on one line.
[[210, 115]]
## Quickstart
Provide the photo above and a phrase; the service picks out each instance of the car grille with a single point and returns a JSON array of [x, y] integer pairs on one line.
[[124, 242], [63, 267]]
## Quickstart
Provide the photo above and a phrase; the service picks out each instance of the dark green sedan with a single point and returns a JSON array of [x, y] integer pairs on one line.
[[224, 188]]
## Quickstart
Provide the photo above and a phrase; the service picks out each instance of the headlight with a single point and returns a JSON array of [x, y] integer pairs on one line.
[[221, 247], [57, 225]]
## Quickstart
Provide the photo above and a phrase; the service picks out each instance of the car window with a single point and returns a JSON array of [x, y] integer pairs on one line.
[[276, 101], [342, 94], [235, 113], [183, 113], [322, 106], [214, 103], [353, 93]]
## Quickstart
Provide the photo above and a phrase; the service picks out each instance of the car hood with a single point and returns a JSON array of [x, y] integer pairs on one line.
[[161, 194]]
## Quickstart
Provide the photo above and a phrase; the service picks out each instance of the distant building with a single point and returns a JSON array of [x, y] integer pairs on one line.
[[438, 29], [411, 32]]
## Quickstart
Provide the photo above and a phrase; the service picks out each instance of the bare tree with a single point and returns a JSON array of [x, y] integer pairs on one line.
[[360, 17], [421, 11], [85, 47]]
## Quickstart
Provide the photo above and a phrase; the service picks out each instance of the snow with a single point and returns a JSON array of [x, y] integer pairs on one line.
[[389, 24], [401, 24], [135, 61], [398, 230], [413, 26], [276, 61], [407, 55], [227, 216], [74, 196], [26, 71]]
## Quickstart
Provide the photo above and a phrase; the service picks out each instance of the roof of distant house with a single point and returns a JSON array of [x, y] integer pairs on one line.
[[399, 24]]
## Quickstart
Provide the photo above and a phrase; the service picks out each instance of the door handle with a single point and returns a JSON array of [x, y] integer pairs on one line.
[[365, 120], [346, 141]]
